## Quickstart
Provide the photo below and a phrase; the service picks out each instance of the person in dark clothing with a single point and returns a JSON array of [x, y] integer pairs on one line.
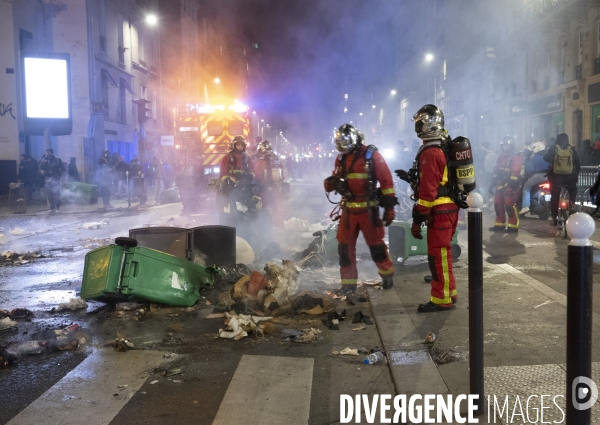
[[121, 169], [559, 177], [72, 170], [104, 176], [585, 154], [135, 171], [28, 174], [595, 159], [52, 168]]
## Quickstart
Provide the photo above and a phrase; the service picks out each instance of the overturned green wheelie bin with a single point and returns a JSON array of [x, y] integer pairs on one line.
[[128, 272], [402, 244]]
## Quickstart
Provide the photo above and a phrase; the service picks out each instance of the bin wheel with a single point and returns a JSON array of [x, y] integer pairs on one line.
[[126, 242], [456, 250]]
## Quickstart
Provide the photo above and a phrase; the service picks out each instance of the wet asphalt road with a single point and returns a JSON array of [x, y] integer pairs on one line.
[[208, 364]]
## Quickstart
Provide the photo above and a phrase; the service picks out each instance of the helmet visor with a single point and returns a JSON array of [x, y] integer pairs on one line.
[[345, 142]]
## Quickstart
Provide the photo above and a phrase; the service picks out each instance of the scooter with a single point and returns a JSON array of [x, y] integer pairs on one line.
[[540, 200]]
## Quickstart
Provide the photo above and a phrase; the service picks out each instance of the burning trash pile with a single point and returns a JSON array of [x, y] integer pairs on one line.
[[68, 338], [9, 258], [263, 294]]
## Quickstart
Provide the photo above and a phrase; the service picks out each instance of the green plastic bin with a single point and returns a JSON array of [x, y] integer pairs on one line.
[[142, 274], [402, 244]]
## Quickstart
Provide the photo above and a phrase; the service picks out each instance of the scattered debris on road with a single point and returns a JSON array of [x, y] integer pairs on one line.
[[304, 335], [9, 258], [7, 323], [73, 304], [238, 326], [430, 338], [349, 352]]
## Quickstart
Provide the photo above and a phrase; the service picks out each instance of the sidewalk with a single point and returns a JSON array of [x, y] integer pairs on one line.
[[40, 208], [524, 337]]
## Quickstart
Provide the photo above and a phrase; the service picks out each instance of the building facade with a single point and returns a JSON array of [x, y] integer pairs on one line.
[[529, 69], [119, 55]]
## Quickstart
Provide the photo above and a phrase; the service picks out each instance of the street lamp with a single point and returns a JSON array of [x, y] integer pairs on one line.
[[393, 92], [430, 58], [217, 80]]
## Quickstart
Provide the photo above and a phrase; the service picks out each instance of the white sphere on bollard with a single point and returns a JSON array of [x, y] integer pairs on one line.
[[474, 201], [580, 226]]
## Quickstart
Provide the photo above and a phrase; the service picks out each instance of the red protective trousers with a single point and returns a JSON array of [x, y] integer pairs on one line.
[[350, 225], [505, 204], [441, 226]]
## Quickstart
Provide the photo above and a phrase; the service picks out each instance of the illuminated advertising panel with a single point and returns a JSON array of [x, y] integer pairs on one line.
[[46, 83]]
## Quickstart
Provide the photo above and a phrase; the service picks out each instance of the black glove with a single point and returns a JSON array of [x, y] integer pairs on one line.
[[415, 230], [329, 184], [388, 216], [403, 175]]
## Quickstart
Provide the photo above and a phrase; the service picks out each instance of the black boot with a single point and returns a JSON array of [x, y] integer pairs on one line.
[[387, 282], [432, 307], [496, 229], [346, 289]]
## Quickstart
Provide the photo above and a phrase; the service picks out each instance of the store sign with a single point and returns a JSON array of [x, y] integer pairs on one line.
[[167, 140], [547, 104], [517, 108], [188, 128]]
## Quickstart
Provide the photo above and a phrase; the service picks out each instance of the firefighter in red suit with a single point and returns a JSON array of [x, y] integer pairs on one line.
[[506, 181], [237, 163], [269, 177], [236, 167], [435, 208], [358, 170]]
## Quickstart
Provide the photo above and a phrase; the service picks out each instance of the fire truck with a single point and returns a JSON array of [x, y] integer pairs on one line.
[[203, 135]]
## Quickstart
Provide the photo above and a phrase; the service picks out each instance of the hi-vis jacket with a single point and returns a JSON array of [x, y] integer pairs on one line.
[[508, 170], [433, 178], [352, 167]]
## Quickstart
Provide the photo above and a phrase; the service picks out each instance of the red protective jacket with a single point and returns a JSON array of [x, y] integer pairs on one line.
[[357, 176], [261, 167], [237, 165], [508, 170], [433, 173]]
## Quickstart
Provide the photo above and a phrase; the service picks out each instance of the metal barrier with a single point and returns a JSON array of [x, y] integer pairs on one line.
[[587, 178]]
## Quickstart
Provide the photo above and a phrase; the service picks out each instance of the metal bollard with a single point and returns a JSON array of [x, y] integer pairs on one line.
[[128, 190], [475, 201], [581, 392]]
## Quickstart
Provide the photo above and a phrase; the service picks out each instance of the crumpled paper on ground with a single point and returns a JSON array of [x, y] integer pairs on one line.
[[238, 326], [349, 351], [73, 304], [7, 323]]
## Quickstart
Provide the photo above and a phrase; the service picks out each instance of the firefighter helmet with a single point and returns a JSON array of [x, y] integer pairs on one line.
[[507, 144], [348, 138], [236, 140], [429, 123], [265, 148]]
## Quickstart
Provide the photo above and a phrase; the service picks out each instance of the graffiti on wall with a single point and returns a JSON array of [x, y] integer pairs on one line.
[[6, 109]]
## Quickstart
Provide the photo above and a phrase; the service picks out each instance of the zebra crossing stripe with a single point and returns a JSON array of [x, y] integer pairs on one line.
[[86, 395], [268, 390]]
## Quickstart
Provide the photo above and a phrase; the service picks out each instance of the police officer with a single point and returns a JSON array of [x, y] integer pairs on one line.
[[506, 180], [358, 169], [269, 176], [435, 208], [52, 168]]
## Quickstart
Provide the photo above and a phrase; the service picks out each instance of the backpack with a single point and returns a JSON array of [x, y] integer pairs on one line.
[[461, 172], [563, 160]]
